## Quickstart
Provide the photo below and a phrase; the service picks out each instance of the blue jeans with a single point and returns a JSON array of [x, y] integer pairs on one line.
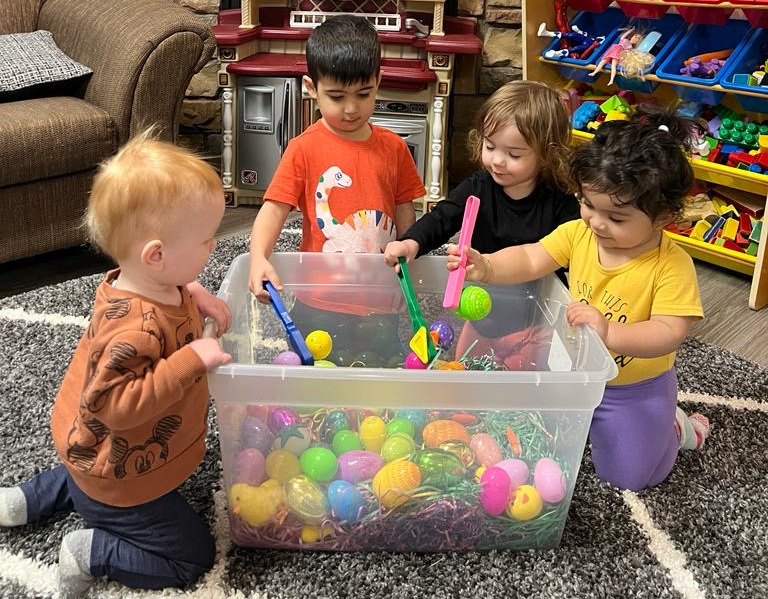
[[158, 544]]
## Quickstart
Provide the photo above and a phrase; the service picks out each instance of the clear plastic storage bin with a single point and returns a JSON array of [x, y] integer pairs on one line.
[[384, 458]]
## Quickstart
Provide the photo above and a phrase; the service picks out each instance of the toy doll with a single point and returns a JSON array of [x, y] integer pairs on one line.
[[580, 42], [633, 63]]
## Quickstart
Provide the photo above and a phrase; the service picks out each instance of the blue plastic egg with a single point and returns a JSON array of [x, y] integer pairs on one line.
[[346, 502]]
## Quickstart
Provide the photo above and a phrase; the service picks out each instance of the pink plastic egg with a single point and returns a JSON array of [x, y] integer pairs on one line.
[[487, 451], [249, 467], [281, 418], [495, 494], [413, 362], [517, 470], [356, 466], [549, 480]]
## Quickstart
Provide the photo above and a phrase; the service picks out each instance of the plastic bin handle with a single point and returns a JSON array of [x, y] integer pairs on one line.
[[456, 277], [295, 337]]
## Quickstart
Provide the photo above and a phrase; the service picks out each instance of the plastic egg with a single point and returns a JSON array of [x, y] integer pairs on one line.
[[345, 441], [461, 450], [549, 480], [394, 482], [324, 364], [282, 417], [413, 362], [255, 433], [356, 466], [445, 334], [440, 431], [346, 502], [475, 303], [319, 344], [334, 422], [397, 446], [305, 499], [526, 503], [310, 533], [373, 431], [400, 425], [319, 464], [417, 417], [287, 358], [258, 410], [479, 473], [439, 468], [516, 469], [495, 494], [249, 467], [486, 449], [282, 466], [294, 438]]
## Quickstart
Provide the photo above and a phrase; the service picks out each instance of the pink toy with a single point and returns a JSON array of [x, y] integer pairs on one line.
[[456, 277]]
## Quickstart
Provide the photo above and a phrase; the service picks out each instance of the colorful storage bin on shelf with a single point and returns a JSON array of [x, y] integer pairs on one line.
[[604, 23], [672, 28], [642, 11], [371, 459], [589, 5], [702, 39], [752, 56]]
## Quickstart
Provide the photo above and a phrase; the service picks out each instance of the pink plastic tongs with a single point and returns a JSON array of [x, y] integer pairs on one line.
[[456, 277]]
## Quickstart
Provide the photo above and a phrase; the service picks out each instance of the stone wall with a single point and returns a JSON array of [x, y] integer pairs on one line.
[[200, 127], [499, 27]]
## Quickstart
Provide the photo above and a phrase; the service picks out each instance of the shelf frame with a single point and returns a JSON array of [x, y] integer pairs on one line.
[[537, 68]]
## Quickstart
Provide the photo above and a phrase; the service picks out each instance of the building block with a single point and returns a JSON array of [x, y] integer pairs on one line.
[[745, 224], [713, 230], [584, 114], [752, 249], [699, 229], [756, 229], [743, 201], [730, 228]]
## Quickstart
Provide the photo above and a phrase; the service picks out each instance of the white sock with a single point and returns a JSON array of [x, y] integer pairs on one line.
[[13, 506], [692, 431], [75, 563]]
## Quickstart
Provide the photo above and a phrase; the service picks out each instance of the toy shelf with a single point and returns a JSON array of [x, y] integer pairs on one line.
[[537, 68]]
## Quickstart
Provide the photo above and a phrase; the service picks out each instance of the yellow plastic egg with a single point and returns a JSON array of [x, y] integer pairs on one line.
[[305, 499], [526, 503], [311, 533], [282, 465], [394, 482], [373, 432], [319, 344], [479, 473]]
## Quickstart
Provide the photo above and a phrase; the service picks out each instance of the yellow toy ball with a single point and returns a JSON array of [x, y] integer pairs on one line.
[[319, 344], [526, 503]]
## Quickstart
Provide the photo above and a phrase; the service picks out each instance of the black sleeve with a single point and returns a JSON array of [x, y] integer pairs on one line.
[[435, 228], [568, 208]]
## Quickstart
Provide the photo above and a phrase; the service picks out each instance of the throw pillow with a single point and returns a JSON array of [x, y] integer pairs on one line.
[[31, 64]]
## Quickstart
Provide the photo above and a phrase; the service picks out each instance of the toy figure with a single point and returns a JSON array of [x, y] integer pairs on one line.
[[580, 42], [621, 52]]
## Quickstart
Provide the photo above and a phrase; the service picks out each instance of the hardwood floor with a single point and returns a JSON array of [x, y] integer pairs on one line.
[[729, 323]]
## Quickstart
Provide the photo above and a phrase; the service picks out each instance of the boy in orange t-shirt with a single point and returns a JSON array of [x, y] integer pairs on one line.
[[354, 182]]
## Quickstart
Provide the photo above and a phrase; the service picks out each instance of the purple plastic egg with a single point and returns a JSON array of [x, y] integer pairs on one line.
[[495, 494], [358, 465], [517, 470], [287, 358], [281, 418], [256, 434], [249, 467], [444, 333]]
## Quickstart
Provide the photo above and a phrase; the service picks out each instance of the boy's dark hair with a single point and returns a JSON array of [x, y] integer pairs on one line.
[[640, 162], [344, 48]]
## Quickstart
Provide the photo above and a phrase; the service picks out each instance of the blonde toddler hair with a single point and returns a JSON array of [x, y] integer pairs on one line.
[[144, 188], [540, 115]]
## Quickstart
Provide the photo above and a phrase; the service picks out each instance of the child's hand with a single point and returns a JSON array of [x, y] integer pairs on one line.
[[407, 249], [478, 265], [210, 352], [262, 270], [581, 313], [214, 308]]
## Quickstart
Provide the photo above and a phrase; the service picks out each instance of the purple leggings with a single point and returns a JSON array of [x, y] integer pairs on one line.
[[634, 443]]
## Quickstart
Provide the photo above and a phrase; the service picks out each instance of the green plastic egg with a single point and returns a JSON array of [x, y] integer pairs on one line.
[[344, 441], [397, 446], [439, 468], [475, 303], [318, 463], [400, 425]]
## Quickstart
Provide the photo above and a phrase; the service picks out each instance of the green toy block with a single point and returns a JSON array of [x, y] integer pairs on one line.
[[754, 236], [752, 249], [615, 103]]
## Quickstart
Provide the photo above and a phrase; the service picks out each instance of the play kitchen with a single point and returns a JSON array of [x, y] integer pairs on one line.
[[264, 105]]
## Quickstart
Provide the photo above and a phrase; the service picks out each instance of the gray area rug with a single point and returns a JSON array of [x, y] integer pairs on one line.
[[702, 533]]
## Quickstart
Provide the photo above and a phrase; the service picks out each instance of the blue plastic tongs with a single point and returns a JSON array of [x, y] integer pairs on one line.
[[295, 337]]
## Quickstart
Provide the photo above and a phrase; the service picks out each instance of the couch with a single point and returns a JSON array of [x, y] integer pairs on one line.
[[142, 54]]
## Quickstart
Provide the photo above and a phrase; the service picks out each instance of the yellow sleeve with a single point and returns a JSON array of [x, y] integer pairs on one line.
[[676, 292], [559, 243]]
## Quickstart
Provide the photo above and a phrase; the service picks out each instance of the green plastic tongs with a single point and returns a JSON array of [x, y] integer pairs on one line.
[[421, 343]]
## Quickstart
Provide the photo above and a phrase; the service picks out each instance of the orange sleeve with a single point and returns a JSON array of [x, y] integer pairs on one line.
[[288, 182]]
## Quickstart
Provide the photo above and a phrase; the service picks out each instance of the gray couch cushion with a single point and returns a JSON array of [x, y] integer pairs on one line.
[[52, 137]]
